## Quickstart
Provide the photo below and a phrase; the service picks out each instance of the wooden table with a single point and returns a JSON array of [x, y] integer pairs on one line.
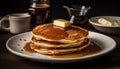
[[11, 61]]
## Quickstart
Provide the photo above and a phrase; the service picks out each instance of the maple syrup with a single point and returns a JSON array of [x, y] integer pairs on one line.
[[27, 48], [93, 48]]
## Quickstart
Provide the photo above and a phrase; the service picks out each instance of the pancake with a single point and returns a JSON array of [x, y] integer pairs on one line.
[[53, 33], [47, 44], [61, 50]]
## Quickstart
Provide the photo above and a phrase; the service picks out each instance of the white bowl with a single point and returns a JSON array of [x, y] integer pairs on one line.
[[105, 29]]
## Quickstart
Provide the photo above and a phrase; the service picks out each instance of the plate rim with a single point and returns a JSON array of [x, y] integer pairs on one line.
[[60, 60]]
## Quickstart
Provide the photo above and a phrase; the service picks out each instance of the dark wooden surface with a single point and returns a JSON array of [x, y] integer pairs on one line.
[[11, 61]]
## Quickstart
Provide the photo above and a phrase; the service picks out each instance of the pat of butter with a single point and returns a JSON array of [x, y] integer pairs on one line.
[[104, 22], [61, 23]]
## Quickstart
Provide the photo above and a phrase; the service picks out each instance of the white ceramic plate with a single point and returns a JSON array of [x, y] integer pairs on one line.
[[16, 43]]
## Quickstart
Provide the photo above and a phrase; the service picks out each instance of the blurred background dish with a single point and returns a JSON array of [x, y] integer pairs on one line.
[[108, 25]]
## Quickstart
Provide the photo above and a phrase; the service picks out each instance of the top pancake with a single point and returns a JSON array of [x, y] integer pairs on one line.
[[53, 33]]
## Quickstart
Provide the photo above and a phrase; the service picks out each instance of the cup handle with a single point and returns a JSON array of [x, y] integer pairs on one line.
[[4, 23]]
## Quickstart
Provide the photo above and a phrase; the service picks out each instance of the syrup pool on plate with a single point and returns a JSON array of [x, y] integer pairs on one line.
[[93, 48]]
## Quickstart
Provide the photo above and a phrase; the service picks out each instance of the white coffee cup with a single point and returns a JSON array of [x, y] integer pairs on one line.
[[17, 23]]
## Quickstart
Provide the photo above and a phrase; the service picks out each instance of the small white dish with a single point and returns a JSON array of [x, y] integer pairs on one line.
[[105, 29], [16, 43]]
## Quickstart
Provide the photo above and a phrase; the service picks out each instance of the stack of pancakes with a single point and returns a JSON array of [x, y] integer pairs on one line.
[[51, 39]]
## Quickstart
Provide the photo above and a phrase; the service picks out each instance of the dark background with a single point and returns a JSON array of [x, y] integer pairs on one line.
[[98, 7]]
